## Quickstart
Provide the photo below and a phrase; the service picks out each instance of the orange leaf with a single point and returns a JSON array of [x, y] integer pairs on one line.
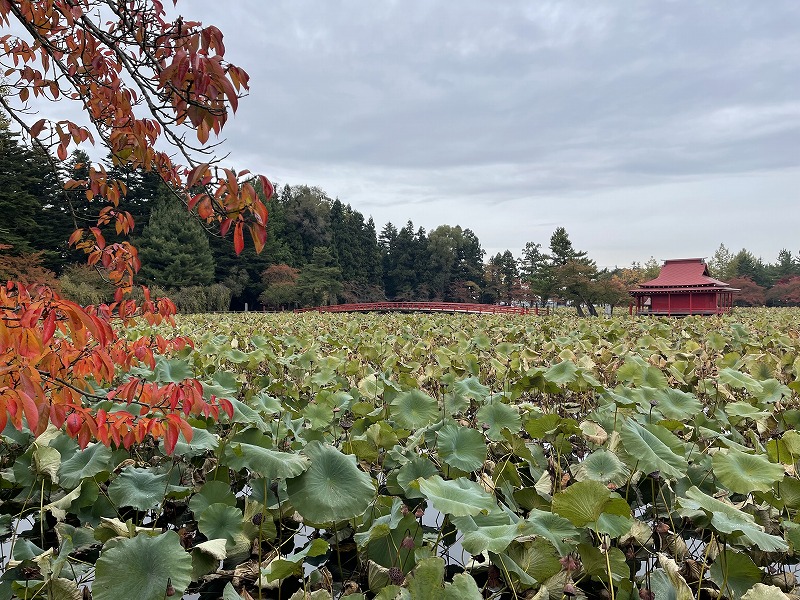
[[30, 409], [170, 438], [238, 238]]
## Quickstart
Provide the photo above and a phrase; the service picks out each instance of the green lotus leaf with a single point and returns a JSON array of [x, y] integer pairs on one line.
[[202, 442], [267, 462], [738, 380], [140, 488], [280, 568], [499, 416], [790, 492], [333, 488], [726, 518], [654, 378], [471, 388], [743, 473], [387, 537], [675, 404], [229, 592], [94, 459], [5, 522], [463, 587], [427, 579], [654, 448], [558, 530], [212, 492], [319, 416], [458, 497], [245, 414], [142, 566], [786, 449], [171, 370], [603, 466], [532, 561], [220, 521], [417, 467], [493, 532], [414, 409], [461, 447], [594, 562], [583, 503], [735, 573], [562, 373]]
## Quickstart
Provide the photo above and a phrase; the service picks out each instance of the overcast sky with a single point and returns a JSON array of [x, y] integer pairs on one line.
[[644, 128]]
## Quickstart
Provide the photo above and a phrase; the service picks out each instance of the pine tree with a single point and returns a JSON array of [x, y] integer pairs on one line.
[[173, 248], [18, 204]]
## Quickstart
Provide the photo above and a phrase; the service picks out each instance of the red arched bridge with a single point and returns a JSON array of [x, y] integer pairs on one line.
[[428, 307]]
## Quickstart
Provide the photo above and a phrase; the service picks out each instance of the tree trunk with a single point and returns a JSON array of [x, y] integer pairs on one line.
[[579, 309], [592, 310]]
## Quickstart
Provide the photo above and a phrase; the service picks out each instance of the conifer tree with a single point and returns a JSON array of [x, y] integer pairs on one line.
[[174, 249]]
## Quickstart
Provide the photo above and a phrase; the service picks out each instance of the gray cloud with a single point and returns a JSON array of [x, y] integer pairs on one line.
[[644, 128]]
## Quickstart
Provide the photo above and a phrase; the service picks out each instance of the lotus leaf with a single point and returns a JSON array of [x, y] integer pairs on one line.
[[562, 373], [141, 489], [150, 563], [281, 567], [268, 463], [761, 591], [221, 520], [585, 501], [457, 498], [413, 409], [531, 561], [333, 488], [603, 466], [498, 416], [654, 448], [743, 473], [91, 461], [461, 447], [417, 467], [735, 573], [726, 518]]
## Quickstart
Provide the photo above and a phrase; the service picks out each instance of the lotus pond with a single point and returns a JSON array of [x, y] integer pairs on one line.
[[434, 456]]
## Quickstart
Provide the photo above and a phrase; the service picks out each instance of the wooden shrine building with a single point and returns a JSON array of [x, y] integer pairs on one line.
[[683, 287]]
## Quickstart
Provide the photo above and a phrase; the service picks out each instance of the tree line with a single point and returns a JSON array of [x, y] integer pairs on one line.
[[318, 250]]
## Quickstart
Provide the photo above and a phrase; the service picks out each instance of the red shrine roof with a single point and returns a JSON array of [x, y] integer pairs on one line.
[[687, 274]]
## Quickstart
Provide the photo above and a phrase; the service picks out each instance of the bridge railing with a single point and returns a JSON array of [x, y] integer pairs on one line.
[[450, 307]]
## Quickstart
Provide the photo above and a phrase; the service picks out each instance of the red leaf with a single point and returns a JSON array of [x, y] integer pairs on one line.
[[267, 187], [74, 423], [238, 238], [170, 438], [49, 327], [37, 127], [30, 409]]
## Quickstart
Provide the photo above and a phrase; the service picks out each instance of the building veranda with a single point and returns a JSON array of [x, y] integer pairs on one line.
[[683, 287]]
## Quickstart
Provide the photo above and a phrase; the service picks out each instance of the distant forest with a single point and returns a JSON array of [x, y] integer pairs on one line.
[[319, 250]]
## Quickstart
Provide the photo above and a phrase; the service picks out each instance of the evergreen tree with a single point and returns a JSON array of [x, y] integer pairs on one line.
[[387, 244], [320, 281], [561, 249], [373, 264], [537, 273], [173, 248], [19, 205], [745, 264]]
